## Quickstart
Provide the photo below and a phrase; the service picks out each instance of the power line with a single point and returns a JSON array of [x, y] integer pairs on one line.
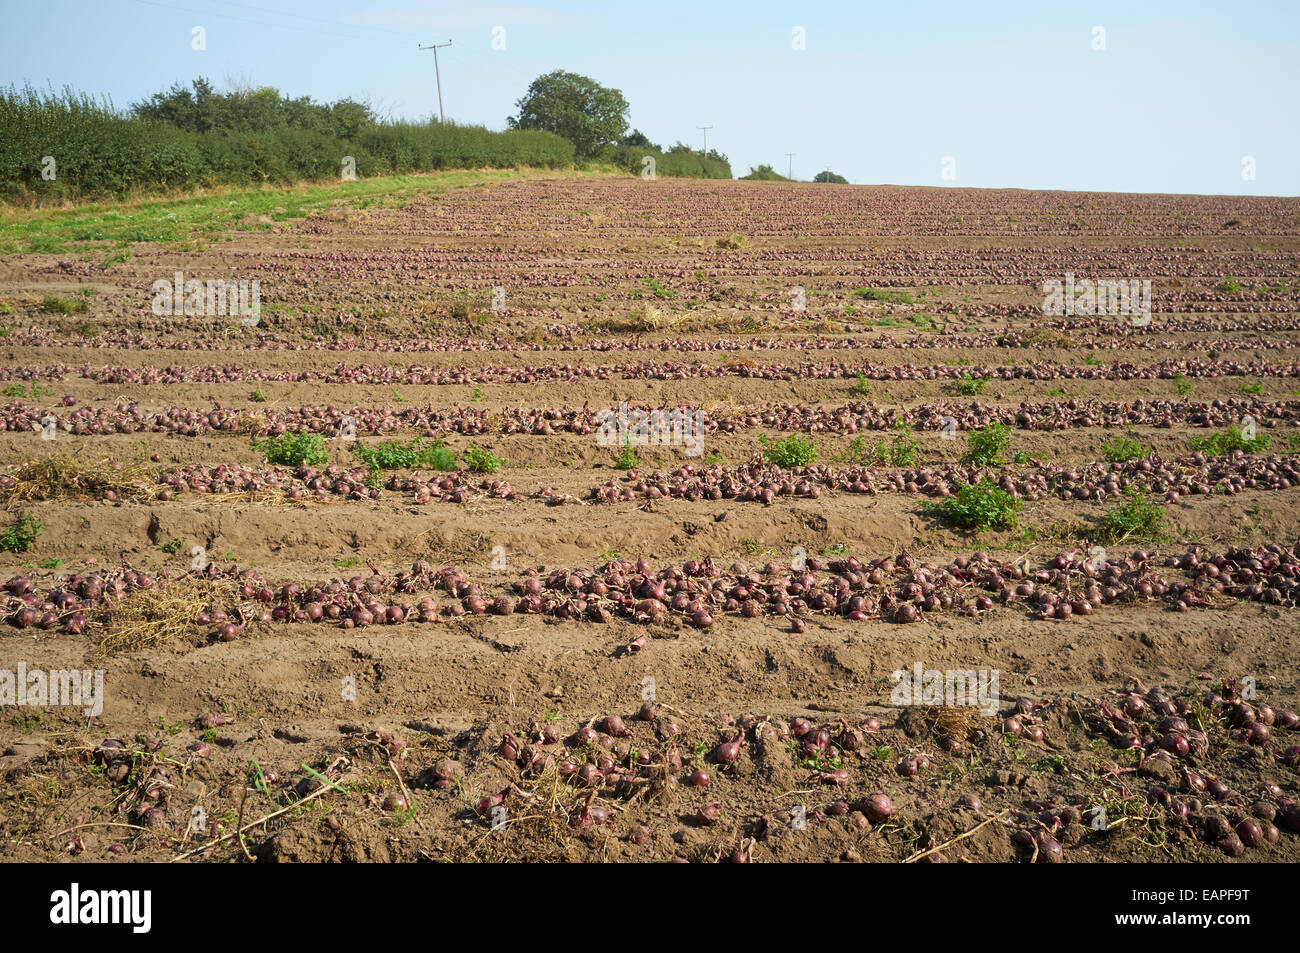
[[438, 73], [263, 8], [256, 22]]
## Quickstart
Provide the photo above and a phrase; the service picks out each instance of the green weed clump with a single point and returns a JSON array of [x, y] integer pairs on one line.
[[626, 458], [21, 536], [407, 455], [1122, 447], [795, 450], [293, 449], [1229, 440], [985, 505], [988, 446], [902, 451], [478, 460], [1136, 519]]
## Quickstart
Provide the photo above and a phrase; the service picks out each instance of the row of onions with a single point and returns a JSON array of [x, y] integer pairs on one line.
[[1191, 475], [1161, 334], [1170, 480], [895, 588], [389, 374], [609, 763], [849, 418]]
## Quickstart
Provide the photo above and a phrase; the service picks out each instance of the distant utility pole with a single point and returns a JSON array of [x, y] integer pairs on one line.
[[789, 168], [706, 136], [438, 73]]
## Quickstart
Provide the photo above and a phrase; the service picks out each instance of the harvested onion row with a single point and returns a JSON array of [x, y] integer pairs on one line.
[[896, 589], [1159, 335], [415, 374], [848, 419], [1194, 474]]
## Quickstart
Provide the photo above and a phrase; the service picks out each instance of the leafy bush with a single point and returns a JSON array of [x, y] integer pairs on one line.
[[1227, 441], [626, 458], [899, 452], [1122, 447], [680, 160], [984, 505], [764, 173], [969, 386], [290, 449], [479, 460], [889, 297], [57, 304], [1136, 519], [988, 446], [407, 455], [19, 537], [794, 451]]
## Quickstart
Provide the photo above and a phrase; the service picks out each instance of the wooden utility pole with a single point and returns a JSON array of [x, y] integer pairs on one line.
[[438, 73], [789, 168], [706, 137]]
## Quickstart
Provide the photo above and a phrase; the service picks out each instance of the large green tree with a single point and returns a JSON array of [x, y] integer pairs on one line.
[[829, 176], [575, 107]]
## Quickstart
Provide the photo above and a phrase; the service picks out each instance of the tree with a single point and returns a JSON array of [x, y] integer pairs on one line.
[[764, 173], [640, 140], [829, 176], [349, 117], [195, 112], [575, 107]]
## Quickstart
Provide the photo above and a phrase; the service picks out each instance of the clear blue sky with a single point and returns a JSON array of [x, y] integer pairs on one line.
[[1013, 91]]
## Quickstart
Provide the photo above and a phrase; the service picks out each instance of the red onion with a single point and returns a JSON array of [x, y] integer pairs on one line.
[[877, 807], [1049, 849], [708, 814], [728, 752]]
